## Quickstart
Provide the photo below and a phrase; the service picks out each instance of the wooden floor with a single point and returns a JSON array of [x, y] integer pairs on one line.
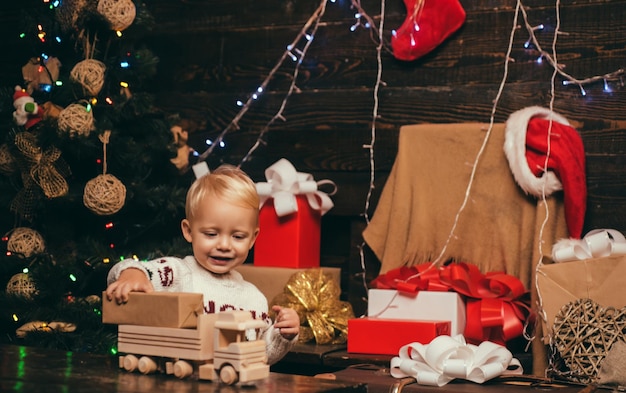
[[31, 370]]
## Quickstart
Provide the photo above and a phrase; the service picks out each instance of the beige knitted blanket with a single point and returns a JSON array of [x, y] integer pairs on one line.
[[499, 227]]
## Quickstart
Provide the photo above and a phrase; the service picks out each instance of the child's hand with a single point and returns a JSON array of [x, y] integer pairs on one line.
[[130, 280], [287, 322]]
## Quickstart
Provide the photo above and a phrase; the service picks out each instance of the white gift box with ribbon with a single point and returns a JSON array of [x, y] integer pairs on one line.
[[425, 306], [291, 210]]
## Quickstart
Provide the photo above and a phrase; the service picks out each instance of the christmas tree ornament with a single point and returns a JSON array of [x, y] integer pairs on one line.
[[25, 242], [104, 194], [119, 13], [40, 326], [41, 75], [7, 161], [526, 148], [427, 25], [181, 161], [76, 119], [27, 113], [44, 168], [93, 300], [51, 111], [89, 73], [21, 285]]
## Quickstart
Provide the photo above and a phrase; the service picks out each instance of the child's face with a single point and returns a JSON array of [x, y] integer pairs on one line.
[[221, 234]]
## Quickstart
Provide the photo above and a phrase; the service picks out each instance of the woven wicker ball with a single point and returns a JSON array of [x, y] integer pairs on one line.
[[119, 13], [104, 195], [21, 284], [76, 120], [7, 162], [89, 74], [584, 332], [25, 241]]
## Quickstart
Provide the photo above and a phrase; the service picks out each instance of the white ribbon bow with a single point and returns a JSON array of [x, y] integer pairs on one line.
[[598, 243], [284, 183], [447, 358]]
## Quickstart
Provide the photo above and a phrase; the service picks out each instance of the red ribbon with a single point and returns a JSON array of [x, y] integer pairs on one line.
[[496, 303]]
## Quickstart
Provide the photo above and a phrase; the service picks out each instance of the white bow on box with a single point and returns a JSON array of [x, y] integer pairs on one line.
[[447, 358], [284, 183], [598, 243]]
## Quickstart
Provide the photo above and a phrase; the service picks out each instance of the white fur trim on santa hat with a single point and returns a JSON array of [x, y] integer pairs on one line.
[[515, 151]]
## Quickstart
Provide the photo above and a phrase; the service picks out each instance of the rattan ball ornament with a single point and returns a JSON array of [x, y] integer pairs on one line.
[[104, 195], [89, 73], [25, 241], [119, 13], [76, 119], [21, 284], [7, 161]]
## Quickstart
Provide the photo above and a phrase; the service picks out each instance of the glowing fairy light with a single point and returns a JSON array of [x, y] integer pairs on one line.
[[559, 68]]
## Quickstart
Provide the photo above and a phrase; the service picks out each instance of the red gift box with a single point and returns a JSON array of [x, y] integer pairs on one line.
[[386, 336], [288, 241]]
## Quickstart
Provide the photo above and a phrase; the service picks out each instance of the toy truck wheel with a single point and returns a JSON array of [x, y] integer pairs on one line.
[[228, 375], [130, 363], [146, 365], [182, 369]]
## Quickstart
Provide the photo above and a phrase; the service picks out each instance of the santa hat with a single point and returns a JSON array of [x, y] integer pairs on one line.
[[20, 93], [526, 148]]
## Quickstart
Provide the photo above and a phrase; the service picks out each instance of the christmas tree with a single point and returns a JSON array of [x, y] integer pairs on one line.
[[91, 171]]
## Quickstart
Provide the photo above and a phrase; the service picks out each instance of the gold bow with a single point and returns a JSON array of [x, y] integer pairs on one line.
[[314, 295], [42, 168]]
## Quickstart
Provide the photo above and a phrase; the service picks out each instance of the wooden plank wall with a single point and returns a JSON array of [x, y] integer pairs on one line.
[[214, 53]]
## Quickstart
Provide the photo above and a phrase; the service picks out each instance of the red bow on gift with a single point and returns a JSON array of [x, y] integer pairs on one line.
[[496, 303]]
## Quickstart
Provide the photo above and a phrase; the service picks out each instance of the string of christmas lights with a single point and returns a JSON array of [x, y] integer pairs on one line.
[[616, 75], [370, 146], [297, 55], [301, 53]]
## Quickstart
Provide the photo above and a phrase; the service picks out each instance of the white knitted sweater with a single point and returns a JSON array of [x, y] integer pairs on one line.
[[221, 292]]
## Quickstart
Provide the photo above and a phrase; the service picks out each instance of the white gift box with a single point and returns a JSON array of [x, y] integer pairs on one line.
[[425, 306]]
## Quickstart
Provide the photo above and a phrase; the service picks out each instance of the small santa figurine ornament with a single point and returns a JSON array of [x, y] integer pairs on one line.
[[27, 113]]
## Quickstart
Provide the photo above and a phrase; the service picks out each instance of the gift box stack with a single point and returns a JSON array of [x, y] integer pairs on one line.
[[396, 319], [286, 264], [419, 303]]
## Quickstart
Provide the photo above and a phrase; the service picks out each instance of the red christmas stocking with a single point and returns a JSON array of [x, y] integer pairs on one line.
[[428, 24]]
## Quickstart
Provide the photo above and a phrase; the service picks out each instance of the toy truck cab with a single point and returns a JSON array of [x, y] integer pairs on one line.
[[234, 357]]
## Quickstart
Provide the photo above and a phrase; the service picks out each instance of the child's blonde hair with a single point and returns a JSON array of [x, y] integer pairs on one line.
[[226, 182]]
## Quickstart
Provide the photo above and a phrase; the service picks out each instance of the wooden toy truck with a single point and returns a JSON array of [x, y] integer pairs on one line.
[[216, 348]]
